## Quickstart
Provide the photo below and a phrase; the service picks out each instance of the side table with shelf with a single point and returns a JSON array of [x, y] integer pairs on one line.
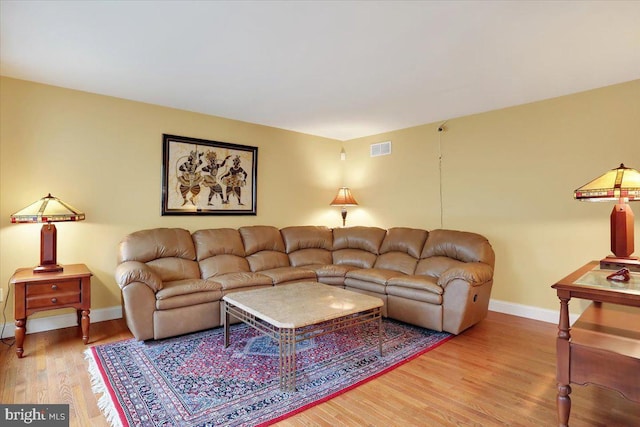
[[603, 345], [70, 288]]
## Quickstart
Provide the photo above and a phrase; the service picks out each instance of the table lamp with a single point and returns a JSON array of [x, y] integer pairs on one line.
[[344, 198], [620, 185], [47, 210]]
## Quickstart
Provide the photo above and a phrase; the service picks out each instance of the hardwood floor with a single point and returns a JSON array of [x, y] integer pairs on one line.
[[500, 372]]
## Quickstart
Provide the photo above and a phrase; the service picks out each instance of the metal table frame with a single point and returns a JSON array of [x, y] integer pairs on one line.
[[287, 338]]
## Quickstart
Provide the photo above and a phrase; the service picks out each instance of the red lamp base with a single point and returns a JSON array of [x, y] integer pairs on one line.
[[51, 268], [622, 230], [621, 240], [48, 250], [616, 263]]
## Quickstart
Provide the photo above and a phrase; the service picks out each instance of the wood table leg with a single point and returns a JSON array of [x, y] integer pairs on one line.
[[86, 321], [563, 354], [564, 404], [21, 330]]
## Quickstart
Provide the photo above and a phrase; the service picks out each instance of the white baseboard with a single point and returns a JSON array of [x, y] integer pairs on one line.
[[528, 311], [102, 314], [62, 321]]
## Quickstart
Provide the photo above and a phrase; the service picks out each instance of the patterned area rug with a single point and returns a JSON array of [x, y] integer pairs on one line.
[[193, 380]]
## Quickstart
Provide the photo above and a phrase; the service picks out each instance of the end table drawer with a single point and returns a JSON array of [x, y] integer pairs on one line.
[[52, 294], [52, 288], [53, 301]]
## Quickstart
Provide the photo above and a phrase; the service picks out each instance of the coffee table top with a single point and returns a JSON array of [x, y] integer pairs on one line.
[[301, 304]]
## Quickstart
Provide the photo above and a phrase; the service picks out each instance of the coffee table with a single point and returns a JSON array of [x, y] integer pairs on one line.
[[300, 311]]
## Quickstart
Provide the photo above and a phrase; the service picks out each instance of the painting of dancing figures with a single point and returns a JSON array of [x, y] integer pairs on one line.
[[208, 177]]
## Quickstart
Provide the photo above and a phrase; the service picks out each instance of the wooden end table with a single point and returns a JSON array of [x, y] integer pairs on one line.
[[603, 346], [50, 291]]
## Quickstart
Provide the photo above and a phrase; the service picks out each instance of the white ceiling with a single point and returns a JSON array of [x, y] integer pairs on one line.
[[336, 69]]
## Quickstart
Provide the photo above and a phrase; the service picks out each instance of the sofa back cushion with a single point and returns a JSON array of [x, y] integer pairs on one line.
[[354, 257], [357, 246], [219, 251], [405, 240], [401, 249], [258, 238], [264, 247], [460, 245], [308, 245], [218, 241], [168, 251]]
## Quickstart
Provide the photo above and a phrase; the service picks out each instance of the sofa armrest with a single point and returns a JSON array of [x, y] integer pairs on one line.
[[476, 273], [136, 271]]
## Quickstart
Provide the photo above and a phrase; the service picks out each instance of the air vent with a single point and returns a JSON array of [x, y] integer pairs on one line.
[[381, 149]]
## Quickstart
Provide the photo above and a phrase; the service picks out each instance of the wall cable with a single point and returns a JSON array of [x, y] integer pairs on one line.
[[441, 129], [8, 341]]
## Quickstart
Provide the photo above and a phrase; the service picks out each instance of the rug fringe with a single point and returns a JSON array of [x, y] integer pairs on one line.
[[105, 403]]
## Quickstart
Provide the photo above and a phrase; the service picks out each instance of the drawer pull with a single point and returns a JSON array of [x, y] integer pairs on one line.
[[54, 287], [54, 300]]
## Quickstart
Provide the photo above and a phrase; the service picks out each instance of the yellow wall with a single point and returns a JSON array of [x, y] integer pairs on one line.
[[103, 155], [509, 174]]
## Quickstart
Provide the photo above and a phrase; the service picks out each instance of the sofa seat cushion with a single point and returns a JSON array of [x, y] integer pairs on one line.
[[371, 280], [374, 275], [417, 288], [289, 274], [187, 292], [330, 270], [422, 283], [243, 279]]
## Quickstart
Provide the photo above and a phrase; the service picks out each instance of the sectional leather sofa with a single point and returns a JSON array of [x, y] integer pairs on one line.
[[173, 281]]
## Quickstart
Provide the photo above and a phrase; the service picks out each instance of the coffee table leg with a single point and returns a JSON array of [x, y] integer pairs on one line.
[[380, 333], [287, 350], [225, 320]]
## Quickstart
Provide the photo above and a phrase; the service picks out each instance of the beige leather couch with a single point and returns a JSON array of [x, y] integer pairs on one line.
[[172, 281]]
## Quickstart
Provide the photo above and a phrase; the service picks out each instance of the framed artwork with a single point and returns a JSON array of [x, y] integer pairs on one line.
[[201, 177]]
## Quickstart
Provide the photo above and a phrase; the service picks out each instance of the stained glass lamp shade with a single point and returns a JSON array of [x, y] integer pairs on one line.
[[344, 198], [47, 210], [620, 185]]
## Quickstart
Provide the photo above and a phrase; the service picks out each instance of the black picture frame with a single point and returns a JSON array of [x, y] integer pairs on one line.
[[202, 177]]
